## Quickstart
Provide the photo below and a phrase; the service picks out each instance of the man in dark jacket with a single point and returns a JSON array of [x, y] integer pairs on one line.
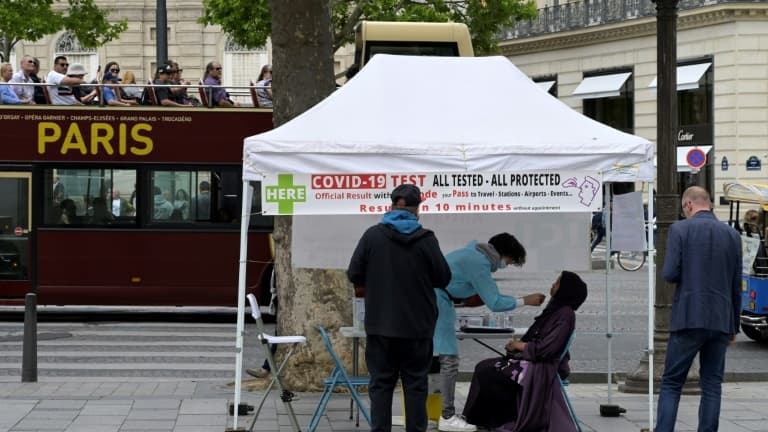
[[704, 260], [397, 263]]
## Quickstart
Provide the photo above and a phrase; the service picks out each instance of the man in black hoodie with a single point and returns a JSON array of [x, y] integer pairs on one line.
[[397, 264]]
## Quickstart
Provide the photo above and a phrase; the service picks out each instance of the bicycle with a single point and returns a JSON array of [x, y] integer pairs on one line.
[[627, 260]]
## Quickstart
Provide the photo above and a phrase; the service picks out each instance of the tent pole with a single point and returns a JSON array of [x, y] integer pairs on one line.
[[244, 220], [609, 322], [651, 296]]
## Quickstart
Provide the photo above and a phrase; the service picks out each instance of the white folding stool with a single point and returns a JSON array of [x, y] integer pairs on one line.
[[267, 341]]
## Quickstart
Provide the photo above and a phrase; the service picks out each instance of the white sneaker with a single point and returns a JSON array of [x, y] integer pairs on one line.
[[455, 424]]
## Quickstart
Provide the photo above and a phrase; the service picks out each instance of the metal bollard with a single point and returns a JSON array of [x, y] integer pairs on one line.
[[29, 351]]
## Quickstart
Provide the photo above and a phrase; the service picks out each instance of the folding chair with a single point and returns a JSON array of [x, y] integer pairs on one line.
[[266, 342], [564, 383], [338, 378]]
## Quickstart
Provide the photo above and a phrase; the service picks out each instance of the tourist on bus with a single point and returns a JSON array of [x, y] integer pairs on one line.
[[7, 95], [68, 212], [181, 203], [26, 93], [39, 92], [162, 207], [180, 94], [63, 79], [217, 93], [131, 92], [112, 94], [163, 94], [101, 214], [204, 201], [264, 87]]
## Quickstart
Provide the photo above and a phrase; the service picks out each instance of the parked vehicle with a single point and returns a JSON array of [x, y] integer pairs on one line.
[[754, 300]]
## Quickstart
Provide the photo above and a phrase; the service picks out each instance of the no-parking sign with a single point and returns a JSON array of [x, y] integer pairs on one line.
[[696, 158]]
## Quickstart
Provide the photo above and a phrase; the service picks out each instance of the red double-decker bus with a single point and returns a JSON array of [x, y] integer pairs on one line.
[[133, 206]]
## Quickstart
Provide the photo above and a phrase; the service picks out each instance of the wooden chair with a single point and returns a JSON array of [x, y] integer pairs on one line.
[[151, 93], [254, 98], [203, 95], [46, 93]]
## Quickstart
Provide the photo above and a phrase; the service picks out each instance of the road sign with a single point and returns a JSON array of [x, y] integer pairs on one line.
[[696, 158], [18, 231]]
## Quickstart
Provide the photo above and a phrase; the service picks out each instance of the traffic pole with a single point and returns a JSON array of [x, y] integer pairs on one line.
[[29, 351]]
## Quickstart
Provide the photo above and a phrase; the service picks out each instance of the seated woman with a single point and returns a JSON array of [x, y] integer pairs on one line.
[[519, 392]]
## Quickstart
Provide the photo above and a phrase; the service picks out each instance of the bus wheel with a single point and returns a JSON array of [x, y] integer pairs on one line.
[[754, 334]]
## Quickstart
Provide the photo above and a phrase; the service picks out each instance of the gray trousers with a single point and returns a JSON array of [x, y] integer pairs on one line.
[[449, 373]]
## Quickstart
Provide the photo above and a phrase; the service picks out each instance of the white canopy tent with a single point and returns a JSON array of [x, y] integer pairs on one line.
[[438, 114]]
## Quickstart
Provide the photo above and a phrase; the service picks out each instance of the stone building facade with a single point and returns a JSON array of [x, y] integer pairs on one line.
[[599, 57]]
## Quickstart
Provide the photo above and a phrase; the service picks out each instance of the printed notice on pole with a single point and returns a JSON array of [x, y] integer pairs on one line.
[[491, 192]]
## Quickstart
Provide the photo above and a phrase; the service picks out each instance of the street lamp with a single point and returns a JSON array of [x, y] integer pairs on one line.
[[161, 33], [668, 197]]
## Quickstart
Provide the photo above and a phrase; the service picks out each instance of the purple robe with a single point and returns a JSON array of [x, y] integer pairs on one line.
[[539, 405]]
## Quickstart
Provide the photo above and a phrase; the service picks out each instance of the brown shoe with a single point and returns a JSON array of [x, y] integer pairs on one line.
[[258, 373]]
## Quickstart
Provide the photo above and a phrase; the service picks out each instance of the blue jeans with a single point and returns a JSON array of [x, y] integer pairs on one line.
[[681, 350]]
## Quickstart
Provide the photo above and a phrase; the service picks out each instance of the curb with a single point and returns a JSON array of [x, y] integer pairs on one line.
[[618, 377]]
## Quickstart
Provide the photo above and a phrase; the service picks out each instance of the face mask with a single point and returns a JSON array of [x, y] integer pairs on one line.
[[502, 263]]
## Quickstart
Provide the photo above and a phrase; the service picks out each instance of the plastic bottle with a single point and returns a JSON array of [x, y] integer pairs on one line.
[[508, 320], [497, 319]]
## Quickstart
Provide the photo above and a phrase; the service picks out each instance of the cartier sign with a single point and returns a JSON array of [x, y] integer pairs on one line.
[[694, 135]]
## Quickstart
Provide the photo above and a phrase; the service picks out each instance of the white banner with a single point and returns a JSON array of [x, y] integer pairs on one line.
[[497, 192]]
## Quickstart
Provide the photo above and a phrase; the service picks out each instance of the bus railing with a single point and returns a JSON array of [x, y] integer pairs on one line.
[[244, 95]]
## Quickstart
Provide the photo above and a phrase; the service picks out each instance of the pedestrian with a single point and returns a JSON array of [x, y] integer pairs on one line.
[[396, 265], [704, 259], [471, 274]]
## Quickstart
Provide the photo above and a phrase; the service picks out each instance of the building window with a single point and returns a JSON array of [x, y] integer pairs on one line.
[[241, 66], [547, 83], [609, 97], [68, 45], [696, 122]]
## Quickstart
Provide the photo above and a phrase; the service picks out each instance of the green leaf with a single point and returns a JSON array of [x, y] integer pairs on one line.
[[32, 19], [248, 22]]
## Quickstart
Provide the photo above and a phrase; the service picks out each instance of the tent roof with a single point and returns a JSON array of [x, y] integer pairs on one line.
[[442, 114]]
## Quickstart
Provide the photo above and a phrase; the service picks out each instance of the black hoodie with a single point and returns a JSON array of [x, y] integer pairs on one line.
[[399, 272]]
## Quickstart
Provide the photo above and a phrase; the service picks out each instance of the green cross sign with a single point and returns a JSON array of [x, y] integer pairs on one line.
[[285, 194]]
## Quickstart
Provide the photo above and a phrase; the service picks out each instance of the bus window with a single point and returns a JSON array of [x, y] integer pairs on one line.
[[90, 197], [203, 196], [411, 38], [177, 196]]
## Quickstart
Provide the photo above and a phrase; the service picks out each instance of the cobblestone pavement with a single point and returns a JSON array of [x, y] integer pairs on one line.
[[188, 406]]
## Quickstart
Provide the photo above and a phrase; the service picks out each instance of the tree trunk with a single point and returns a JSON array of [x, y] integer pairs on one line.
[[302, 46]]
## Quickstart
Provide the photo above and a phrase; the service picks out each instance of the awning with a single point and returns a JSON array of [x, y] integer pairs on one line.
[[601, 86], [546, 85], [688, 76], [682, 152]]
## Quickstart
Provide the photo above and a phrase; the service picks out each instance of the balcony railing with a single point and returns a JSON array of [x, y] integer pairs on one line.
[[583, 14]]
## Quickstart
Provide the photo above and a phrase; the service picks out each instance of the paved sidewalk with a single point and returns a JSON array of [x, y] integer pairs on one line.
[[95, 406]]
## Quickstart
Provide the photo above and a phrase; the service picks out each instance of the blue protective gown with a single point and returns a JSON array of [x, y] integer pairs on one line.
[[470, 275]]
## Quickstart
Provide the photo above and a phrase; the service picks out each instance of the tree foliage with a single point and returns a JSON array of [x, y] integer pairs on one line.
[[32, 19], [248, 22]]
